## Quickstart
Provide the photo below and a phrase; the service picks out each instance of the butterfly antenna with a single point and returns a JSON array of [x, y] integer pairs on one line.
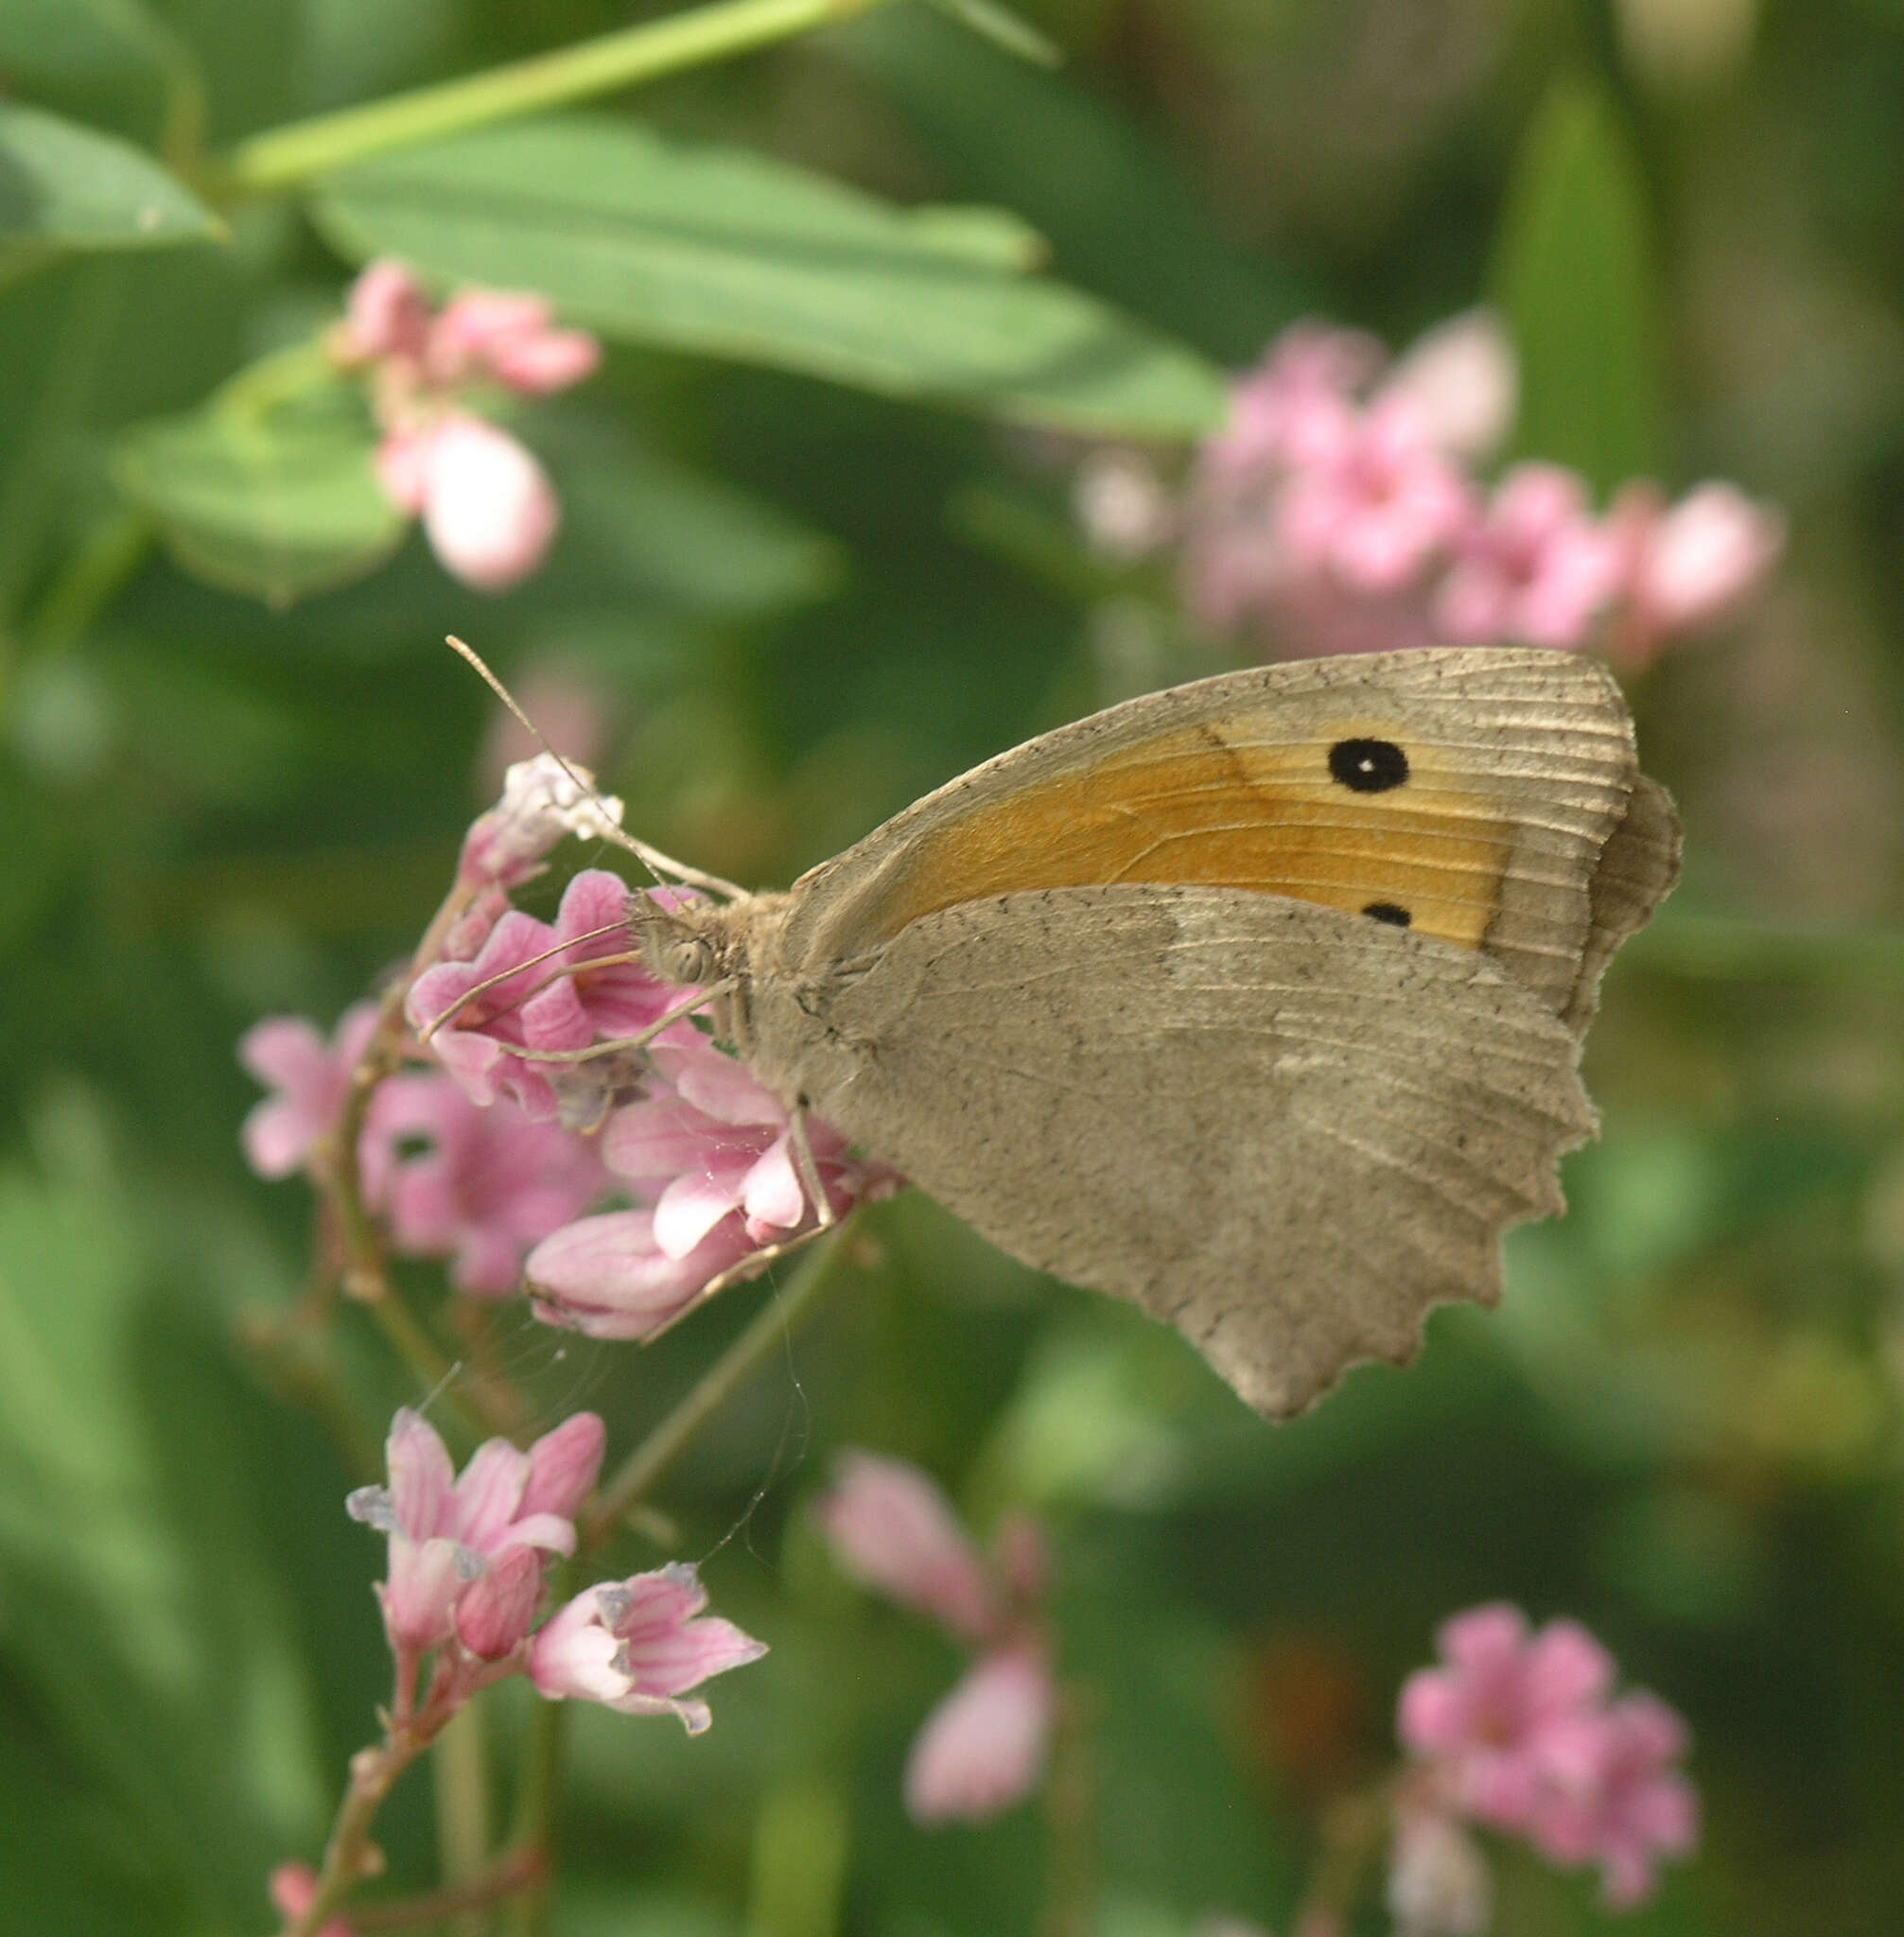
[[658, 864]]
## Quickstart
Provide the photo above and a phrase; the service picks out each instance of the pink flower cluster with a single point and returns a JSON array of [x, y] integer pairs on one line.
[[465, 1584], [1340, 510], [1519, 1731], [985, 1746], [487, 506], [528, 1101]]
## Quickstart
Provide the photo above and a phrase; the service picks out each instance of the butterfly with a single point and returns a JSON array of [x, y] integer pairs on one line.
[[1258, 1002]]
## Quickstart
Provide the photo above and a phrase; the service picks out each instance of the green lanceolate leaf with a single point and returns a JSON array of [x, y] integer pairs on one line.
[[276, 500], [726, 254], [67, 188], [1576, 277]]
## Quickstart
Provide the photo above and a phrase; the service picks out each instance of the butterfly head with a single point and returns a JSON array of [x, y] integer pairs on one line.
[[694, 942]]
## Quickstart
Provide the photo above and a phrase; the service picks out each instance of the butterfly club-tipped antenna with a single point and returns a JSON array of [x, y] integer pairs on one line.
[[659, 864]]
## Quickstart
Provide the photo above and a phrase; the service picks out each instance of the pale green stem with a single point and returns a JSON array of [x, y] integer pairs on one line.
[[283, 157], [463, 1831], [765, 1334], [1070, 1816], [93, 575]]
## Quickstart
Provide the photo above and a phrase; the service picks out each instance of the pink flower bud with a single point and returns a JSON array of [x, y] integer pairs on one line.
[[1690, 568], [293, 1889], [984, 1747], [1461, 379], [494, 1616], [894, 1532], [488, 508], [386, 314], [511, 337]]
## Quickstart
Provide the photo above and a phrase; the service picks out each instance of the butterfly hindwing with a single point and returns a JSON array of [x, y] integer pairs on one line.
[[1287, 1131]]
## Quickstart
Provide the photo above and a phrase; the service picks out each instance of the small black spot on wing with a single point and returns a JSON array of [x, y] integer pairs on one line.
[[1367, 766], [1387, 911]]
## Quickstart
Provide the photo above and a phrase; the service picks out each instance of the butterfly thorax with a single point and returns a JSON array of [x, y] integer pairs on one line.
[[711, 944]]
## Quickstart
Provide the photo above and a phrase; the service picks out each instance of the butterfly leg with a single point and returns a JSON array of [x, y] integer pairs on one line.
[[807, 1166]]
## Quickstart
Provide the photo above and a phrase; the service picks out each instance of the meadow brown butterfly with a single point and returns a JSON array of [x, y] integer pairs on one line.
[[1258, 1002]]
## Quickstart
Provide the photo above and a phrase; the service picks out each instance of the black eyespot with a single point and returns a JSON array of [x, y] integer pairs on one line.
[[1387, 911], [1367, 766]]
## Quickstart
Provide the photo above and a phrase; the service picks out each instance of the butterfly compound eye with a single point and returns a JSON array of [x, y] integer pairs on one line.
[[1367, 766]]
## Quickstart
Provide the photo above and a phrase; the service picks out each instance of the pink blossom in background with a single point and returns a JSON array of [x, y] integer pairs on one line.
[[489, 1184], [1534, 569], [986, 1744], [487, 506], [1689, 566], [985, 1747], [293, 1889], [1337, 510], [1370, 501], [1618, 1799], [312, 1078], [1485, 1717], [446, 1532], [638, 1646], [893, 1531], [1517, 1729], [1462, 380]]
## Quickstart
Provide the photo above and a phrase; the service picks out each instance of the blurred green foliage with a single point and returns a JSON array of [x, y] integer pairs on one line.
[[815, 562]]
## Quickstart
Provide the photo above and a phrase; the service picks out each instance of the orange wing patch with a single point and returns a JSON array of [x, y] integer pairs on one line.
[[1207, 805]]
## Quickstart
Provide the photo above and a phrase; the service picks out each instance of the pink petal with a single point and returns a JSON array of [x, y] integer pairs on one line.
[[564, 1465], [692, 1205], [894, 1532], [771, 1196], [488, 1493], [726, 1088], [984, 1747], [421, 1477]]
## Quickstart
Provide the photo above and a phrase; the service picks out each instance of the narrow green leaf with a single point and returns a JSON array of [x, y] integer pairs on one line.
[[728, 254], [1575, 278], [66, 187], [277, 503]]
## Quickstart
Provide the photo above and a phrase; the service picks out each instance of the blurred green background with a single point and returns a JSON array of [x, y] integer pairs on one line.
[[798, 604]]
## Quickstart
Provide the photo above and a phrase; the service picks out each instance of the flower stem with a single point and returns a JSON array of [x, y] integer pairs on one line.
[[1070, 1816], [461, 1769], [1352, 1829], [765, 1334], [284, 157]]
